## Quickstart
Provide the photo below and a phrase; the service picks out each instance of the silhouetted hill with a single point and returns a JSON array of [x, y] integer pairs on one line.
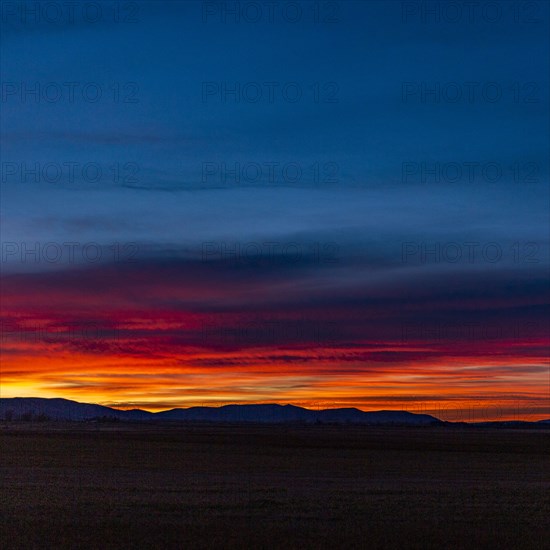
[[63, 409], [290, 413], [36, 409]]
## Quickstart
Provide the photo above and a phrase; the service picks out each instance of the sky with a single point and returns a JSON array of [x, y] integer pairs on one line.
[[329, 204]]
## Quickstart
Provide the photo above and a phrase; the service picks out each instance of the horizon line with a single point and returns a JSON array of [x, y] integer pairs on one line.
[[117, 408]]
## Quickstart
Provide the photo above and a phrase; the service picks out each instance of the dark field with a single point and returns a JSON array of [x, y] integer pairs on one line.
[[136, 486]]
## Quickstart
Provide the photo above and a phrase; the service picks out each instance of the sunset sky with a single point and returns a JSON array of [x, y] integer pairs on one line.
[[346, 205]]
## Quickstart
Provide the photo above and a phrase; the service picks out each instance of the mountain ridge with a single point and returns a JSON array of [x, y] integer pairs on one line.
[[38, 408], [27, 408]]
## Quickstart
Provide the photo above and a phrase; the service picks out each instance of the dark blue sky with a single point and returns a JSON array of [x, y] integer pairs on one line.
[[356, 150], [409, 125], [367, 55], [367, 133]]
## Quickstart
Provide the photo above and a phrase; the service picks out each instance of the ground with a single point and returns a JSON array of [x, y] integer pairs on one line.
[[229, 486]]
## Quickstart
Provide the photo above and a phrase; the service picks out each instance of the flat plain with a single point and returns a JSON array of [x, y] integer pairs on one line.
[[123, 485]]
